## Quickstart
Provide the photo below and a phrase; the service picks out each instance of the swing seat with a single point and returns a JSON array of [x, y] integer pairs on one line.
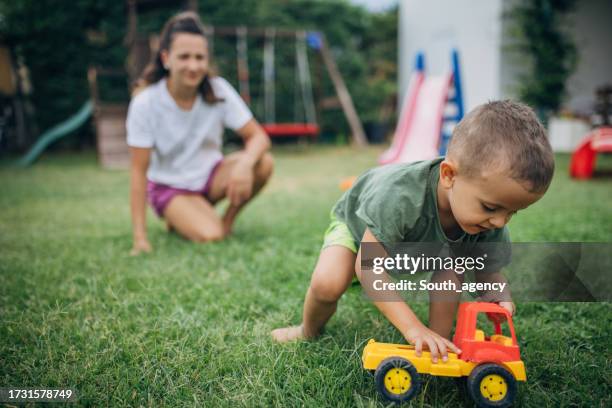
[[291, 129]]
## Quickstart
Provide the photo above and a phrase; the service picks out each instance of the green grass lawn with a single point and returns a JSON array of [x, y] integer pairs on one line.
[[188, 325]]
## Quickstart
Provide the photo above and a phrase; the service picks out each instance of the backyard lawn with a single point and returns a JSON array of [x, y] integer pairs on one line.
[[188, 325]]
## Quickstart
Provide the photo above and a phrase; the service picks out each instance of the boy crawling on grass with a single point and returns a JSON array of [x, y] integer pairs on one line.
[[499, 161]]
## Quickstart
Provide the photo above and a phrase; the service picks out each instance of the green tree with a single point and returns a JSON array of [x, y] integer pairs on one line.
[[551, 52], [50, 37]]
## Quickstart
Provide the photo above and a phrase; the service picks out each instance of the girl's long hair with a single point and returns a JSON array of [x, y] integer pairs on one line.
[[185, 22]]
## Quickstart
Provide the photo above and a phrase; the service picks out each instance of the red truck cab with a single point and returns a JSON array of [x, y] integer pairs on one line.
[[474, 345]]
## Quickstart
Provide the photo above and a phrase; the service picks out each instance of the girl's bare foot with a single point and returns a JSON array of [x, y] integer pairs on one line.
[[287, 334]]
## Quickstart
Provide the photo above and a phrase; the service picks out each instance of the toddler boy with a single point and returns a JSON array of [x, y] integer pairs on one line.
[[499, 161]]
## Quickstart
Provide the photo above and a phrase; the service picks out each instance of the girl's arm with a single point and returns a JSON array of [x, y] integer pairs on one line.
[[257, 143], [138, 198]]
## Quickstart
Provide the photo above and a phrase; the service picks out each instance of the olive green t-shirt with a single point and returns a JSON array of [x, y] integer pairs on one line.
[[398, 203]]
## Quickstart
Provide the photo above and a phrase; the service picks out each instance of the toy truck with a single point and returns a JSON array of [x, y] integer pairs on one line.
[[492, 364]]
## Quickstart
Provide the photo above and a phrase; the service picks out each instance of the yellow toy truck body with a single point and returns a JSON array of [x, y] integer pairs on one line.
[[374, 353]]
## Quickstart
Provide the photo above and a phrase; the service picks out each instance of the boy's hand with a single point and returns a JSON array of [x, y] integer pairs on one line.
[[500, 318], [420, 335], [509, 306]]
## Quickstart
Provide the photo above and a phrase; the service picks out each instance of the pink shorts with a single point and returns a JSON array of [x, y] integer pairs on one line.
[[159, 195]]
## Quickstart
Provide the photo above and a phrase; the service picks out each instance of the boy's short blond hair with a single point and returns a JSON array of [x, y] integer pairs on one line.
[[504, 135]]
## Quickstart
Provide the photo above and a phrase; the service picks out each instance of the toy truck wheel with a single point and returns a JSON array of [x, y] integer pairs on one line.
[[397, 380], [491, 386]]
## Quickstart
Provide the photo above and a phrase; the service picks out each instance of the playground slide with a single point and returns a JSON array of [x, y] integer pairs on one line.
[[417, 136], [403, 124], [57, 132]]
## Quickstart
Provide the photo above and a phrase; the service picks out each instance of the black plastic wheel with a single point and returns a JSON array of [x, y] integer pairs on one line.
[[397, 380], [491, 386]]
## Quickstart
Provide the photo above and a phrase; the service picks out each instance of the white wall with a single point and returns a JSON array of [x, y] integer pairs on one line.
[[436, 26], [592, 30]]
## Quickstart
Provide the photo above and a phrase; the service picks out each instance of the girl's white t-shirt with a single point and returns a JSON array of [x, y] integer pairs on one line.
[[186, 145]]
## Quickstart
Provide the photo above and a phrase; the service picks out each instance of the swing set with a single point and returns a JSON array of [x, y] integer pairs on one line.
[[305, 117]]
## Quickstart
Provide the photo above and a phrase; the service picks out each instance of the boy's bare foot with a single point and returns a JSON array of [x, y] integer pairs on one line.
[[287, 334]]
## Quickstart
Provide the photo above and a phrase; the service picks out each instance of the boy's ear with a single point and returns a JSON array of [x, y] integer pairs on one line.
[[448, 172]]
